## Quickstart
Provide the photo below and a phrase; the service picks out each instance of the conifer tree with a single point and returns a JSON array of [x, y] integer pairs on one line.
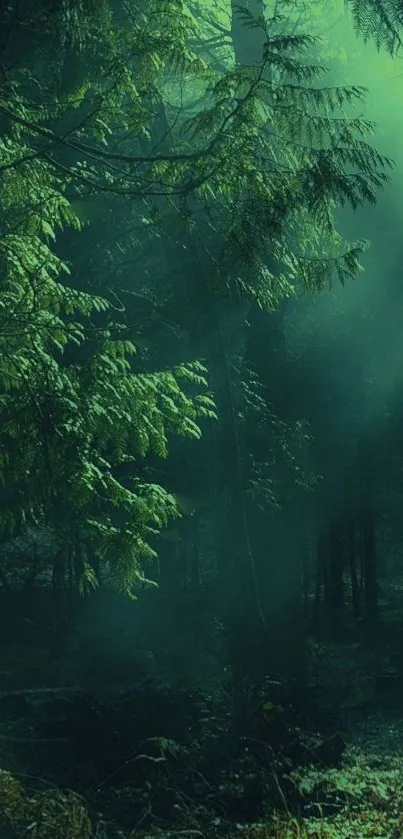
[[241, 179]]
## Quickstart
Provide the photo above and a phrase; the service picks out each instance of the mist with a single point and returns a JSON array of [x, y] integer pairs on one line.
[[351, 336], [201, 447]]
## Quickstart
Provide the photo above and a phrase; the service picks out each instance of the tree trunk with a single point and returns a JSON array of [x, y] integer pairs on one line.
[[335, 558], [369, 568], [352, 560]]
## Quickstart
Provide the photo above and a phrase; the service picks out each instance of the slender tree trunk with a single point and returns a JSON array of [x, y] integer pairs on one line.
[[327, 586], [318, 586], [365, 464], [239, 581], [370, 568], [306, 576], [335, 556], [217, 324], [352, 560]]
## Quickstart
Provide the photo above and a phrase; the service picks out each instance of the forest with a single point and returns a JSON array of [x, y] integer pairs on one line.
[[201, 434]]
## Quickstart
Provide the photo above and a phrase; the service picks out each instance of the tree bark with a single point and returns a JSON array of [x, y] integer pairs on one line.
[[369, 568], [352, 560]]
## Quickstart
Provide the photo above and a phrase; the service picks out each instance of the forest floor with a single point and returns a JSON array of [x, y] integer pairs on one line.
[[200, 780], [361, 796], [359, 690]]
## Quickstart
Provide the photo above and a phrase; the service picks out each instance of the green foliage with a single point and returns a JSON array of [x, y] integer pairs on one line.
[[268, 153], [257, 162], [48, 813], [68, 429], [78, 419], [378, 20], [283, 153]]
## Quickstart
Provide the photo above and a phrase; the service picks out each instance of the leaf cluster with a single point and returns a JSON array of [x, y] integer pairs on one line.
[[379, 21], [78, 419]]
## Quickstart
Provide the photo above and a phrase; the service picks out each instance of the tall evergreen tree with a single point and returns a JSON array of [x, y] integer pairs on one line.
[[220, 200]]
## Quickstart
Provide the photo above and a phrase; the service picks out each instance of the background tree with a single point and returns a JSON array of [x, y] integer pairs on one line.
[[206, 207]]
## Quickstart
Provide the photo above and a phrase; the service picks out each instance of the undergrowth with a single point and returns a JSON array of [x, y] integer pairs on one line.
[[362, 798]]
